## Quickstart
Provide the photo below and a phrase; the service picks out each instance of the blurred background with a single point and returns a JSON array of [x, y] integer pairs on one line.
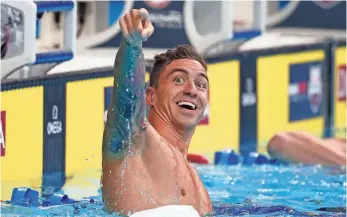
[[273, 66]]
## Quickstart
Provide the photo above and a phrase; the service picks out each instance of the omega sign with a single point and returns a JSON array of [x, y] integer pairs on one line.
[[248, 98], [55, 126]]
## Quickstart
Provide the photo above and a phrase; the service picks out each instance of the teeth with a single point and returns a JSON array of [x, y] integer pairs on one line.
[[187, 103]]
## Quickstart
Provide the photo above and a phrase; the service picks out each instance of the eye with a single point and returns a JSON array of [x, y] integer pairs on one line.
[[201, 85], [178, 80]]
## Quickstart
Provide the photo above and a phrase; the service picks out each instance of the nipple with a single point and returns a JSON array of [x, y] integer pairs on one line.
[[183, 192]]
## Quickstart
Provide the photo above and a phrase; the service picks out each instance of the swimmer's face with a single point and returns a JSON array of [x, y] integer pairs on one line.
[[182, 93]]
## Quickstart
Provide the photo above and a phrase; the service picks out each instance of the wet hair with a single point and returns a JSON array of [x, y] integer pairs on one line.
[[180, 52]]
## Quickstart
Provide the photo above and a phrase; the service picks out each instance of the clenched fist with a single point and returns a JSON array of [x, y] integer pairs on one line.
[[136, 26]]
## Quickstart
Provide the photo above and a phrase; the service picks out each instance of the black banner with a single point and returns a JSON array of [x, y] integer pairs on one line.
[[248, 106], [54, 136]]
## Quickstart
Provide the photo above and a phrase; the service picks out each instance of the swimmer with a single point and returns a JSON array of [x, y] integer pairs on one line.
[[144, 161], [300, 147]]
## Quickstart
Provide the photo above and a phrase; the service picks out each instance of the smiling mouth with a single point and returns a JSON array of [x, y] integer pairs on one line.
[[186, 105]]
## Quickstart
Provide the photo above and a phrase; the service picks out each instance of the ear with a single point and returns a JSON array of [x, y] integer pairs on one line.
[[150, 96]]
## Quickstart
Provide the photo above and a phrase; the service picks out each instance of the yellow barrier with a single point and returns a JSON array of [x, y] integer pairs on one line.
[[273, 104], [23, 109]]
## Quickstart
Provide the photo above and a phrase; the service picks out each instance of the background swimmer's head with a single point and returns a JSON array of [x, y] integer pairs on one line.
[[178, 90]]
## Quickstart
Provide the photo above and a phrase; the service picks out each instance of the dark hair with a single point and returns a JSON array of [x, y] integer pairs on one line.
[[181, 52]]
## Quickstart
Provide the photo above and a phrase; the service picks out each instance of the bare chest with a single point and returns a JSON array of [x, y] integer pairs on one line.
[[161, 181], [173, 179]]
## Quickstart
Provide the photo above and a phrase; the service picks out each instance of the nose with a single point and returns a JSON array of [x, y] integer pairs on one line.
[[190, 90]]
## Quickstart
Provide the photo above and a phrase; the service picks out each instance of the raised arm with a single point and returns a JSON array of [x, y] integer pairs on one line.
[[126, 114]]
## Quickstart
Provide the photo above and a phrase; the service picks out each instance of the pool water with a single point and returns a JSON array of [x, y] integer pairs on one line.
[[262, 190]]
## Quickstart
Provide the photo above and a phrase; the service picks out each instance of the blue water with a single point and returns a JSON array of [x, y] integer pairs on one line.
[[265, 190]]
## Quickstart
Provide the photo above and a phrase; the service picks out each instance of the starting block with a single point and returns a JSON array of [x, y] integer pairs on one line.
[[18, 33]]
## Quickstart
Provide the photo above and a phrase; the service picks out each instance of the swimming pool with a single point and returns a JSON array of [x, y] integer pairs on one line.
[[261, 190]]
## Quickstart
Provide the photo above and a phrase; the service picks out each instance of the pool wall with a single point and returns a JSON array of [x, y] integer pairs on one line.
[[53, 125]]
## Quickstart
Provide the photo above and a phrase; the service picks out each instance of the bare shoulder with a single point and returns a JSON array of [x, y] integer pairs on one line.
[[337, 144], [156, 149], [152, 138]]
